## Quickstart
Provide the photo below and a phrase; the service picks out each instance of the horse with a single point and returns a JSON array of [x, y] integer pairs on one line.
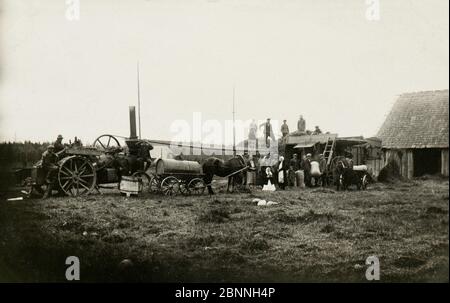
[[344, 174], [347, 176], [217, 167]]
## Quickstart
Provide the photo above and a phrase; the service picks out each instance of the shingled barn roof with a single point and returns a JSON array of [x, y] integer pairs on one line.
[[417, 120]]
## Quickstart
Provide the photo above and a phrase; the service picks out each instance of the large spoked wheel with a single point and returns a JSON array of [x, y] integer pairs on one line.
[[144, 181], [76, 176], [106, 142], [170, 186], [197, 186]]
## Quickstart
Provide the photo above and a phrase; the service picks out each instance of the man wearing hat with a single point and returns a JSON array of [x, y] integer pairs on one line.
[[58, 145], [284, 129], [323, 169], [49, 159], [317, 131], [268, 133], [306, 166], [301, 125]]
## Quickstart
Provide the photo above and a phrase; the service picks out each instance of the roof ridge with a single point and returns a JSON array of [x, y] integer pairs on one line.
[[426, 91]]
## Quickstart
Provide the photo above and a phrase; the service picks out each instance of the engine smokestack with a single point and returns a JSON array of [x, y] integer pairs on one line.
[[133, 123]]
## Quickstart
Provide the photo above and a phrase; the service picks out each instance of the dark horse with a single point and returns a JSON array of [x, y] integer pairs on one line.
[[217, 167], [346, 176]]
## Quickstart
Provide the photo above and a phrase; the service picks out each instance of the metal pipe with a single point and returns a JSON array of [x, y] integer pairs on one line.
[[133, 123]]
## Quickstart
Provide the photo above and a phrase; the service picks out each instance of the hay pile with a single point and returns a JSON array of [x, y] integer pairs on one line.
[[390, 173]]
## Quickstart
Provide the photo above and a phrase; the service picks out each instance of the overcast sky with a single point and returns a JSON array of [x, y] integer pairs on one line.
[[322, 59]]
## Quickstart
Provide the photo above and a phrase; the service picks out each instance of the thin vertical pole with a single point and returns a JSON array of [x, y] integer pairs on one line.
[[139, 100], [234, 127]]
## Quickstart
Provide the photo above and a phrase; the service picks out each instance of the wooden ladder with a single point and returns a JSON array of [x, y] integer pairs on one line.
[[328, 150], [328, 155]]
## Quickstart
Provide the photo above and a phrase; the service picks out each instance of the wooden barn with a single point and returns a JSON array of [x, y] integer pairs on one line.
[[415, 133]]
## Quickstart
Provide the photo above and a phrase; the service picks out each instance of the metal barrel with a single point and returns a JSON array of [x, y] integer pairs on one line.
[[169, 166]]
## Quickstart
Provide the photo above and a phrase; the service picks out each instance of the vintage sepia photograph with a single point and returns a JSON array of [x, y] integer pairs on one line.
[[224, 141]]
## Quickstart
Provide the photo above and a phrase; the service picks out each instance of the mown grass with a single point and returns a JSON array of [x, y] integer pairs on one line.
[[311, 235]]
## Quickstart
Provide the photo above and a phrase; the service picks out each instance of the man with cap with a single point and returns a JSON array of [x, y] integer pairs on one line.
[[268, 133], [301, 125], [306, 166], [323, 170], [49, 159], [294, 167], [317, 131], [284, 129], [58, 145]]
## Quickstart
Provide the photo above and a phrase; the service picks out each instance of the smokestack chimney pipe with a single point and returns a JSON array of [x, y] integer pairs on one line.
[[133, 123]]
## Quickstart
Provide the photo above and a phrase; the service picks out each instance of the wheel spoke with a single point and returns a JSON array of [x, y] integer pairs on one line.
[[99, 141], [87, 188], [67, 171], [83, 166], [65, 184], [63, 172]]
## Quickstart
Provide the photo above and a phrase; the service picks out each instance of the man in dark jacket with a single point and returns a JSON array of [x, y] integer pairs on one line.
[[323, 170], [49, 159], [268, 132], [294, 166], [58, 145], [306, 166], [284, 129]]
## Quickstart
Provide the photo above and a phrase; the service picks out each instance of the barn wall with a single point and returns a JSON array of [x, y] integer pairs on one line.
[[409, 164], [444, 162], [404, 159], [394, 156], [375, 166]]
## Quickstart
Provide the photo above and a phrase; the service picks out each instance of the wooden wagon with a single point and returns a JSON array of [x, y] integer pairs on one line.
[[177, 176]]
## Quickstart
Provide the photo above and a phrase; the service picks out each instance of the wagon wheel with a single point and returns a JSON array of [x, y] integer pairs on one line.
[[170, 186], [76, 175], [197, 186], [105, 142], [144, 181], [184, 188], [154, 186]]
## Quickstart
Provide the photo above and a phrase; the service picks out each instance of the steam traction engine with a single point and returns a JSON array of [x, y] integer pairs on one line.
[[83, 169]]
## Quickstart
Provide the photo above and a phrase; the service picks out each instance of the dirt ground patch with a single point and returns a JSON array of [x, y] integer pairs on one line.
[[311, 235]]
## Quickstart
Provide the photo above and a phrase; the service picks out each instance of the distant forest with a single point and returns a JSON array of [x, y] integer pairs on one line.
[[20, 154]]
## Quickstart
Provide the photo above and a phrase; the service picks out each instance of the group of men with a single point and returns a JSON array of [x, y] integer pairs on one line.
[[313, 170], [286, 173], [269, 134]]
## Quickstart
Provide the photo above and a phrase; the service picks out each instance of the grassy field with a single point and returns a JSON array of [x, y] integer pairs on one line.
[[311, 235]]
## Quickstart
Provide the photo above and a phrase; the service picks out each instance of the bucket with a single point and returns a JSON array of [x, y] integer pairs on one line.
[[129, 185]]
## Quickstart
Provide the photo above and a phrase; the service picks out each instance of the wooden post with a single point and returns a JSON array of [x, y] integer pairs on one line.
[[410, 159], [444, 162]]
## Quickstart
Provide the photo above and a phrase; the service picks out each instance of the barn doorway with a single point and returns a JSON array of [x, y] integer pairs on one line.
[[427, 161]]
